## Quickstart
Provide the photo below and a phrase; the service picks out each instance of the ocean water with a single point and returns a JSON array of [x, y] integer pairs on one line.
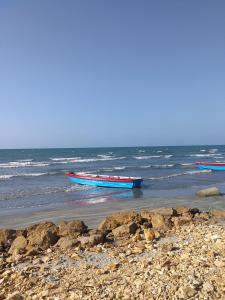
[[33, 180]]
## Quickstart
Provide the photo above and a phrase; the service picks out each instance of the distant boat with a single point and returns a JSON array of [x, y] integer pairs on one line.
[[215, 166], [105, 181]]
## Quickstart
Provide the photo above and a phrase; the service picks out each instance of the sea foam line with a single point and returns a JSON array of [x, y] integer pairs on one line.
[[180, 174]]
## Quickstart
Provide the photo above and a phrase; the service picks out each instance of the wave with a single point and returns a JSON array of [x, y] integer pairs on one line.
[[64, 158], [9, 176], [168, 156], [187, 164], [157, 166], [180, 174], [141, 151], [84, 160], [21, 164], [202, 155], [147, 156]]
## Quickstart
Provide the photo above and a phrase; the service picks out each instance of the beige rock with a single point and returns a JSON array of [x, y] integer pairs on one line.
[[91, 240], [43, 235], [20, 243], [65, 243], [7, 236], [125, 230], [118, 219], [72, 228], [212, 191], [218, 213], [159, 222], [15, 296], [149, 234], [180, 221]]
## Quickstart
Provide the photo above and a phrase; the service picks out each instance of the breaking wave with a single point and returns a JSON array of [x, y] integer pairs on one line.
[[23, 163], [180, 174]]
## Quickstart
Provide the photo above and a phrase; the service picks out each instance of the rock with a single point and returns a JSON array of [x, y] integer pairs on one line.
[[125, 230], [159, 222], [208, 287], [202, 217], [15, 296], [118, 219], [43, 235], [217, 213], [180, 221], [149, 234], [7, 236], [20, 243], [219, 263], [65, 243], [72, 228], [213, 191], [164, 211], [92, 240]]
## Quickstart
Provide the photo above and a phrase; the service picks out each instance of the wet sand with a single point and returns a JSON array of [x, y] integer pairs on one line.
[[93, 214]]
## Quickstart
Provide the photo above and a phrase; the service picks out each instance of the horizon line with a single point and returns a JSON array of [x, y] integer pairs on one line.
[[96, 147]]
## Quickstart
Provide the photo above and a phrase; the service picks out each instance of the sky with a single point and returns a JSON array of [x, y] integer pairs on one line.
[[79, 73]]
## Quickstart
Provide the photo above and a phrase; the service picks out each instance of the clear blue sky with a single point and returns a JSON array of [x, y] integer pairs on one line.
[[111, 73]]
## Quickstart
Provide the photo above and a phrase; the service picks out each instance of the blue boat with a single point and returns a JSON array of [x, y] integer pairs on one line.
[[105, 181], [214, 166]]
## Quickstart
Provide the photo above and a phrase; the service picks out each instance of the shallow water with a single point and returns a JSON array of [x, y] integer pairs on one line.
[[33, 182]]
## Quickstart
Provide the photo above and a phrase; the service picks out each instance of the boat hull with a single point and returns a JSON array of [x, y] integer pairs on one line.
[[102, 183], [213, 168]]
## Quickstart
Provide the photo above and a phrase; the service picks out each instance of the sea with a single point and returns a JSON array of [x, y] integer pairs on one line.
[[32, 181]]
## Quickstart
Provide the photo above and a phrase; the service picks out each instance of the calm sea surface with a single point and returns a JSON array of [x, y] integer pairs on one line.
[[33, 180]]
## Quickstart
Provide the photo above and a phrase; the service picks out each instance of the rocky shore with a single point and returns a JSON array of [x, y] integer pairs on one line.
[[164, 253]]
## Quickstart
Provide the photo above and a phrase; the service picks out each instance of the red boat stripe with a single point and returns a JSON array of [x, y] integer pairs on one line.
[[99, 178], [210, 164]]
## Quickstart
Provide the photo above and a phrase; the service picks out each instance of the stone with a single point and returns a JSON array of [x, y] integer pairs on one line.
[[93, 238], [65, 243], [212, 191], [149, 234], [43, 235], [218, 213], [219, 263], [7, 236], [118, 219], [72, 228], [125, 230], [164, 211], [180, 221], [159, 222], [20, 243], [15, 296]]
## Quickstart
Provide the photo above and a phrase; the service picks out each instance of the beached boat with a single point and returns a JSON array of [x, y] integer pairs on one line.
[[215, 166], [105, 181]]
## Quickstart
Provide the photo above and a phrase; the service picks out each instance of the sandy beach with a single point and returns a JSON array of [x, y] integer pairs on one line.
[[161, 253]]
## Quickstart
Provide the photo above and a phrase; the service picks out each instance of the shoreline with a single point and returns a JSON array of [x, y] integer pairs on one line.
[[92, 214], [162, 253]]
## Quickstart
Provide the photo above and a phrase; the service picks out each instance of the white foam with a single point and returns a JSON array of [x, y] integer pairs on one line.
[[168, 156], [147, 156], [187, 164], [96, 201], [21, 164], [181, 174], [141, 151], [157, 166], [64, 158], [159, 151], [213, 150], [203, 150], [4, 177], [120, 168], [201, 155]]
